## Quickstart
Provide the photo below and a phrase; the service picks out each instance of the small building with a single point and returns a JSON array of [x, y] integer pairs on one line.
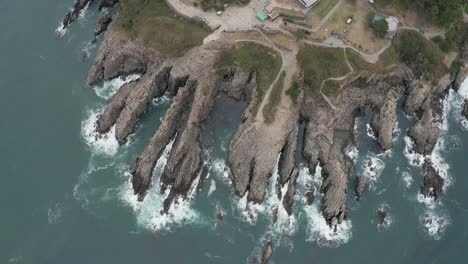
[[307, 3], [261, 15], [349, 20]]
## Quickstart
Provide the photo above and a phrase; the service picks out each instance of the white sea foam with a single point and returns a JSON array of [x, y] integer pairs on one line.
[[407, 179], [463, 91], [285, 224], [212, 188], [109, 88], [55, 214], [317, 228], [249, 210], [60, 30], [370, 131], [160, 100], [219, 168], [434, 224], [352, 152], [272, 206], [148, 212], [415, 159], [106, 143], [388, 221], [373, 168]]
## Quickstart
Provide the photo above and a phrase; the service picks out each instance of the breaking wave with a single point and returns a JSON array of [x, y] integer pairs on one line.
[[212, 187], [108, 88], [373, 168], [317, 228], [407, 179], [149, 212], [106, 144]]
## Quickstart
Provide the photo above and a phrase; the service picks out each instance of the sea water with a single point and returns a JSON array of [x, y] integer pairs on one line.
[[66, 195]]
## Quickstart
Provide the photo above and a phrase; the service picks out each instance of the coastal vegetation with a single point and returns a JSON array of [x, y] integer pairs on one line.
[[454, 37], [423, 56], [252, 57], [388, 58], [269, 110], [331, 88], [320, 63], [378, 25], [154, 23], [294, 91], [439, 12]]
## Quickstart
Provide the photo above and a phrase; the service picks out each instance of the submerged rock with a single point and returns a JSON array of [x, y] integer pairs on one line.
[[71, 16], [465, 109], [433, 183], [267, 252]]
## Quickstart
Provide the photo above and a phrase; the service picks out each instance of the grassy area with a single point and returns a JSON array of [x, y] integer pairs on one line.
[[388, 58], [294, 91], [254, 57], [156, 25], [217, 5], [438, 12], [324, 6], [331, 88], [454, 38], [269, 110], [320, 63], [420, 54]]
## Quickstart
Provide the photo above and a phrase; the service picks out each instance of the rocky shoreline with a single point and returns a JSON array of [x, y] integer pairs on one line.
[[194, 81]]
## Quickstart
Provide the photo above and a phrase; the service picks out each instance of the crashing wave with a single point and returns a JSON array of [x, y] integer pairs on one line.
[[212, 188], [149, 211], [317, 228], [106, 144], [108, 88], [373, 168], [407, 179]]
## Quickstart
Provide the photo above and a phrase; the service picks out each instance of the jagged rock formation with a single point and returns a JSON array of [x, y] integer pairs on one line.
[[184, 120], [330, 131], [432, 182], [254, 151], [267, 252], [465, 109], [102, 24], [119, 56], [71, 16], [195, 83], [79, 5], [361, 185], [425, 133], [385, 119]]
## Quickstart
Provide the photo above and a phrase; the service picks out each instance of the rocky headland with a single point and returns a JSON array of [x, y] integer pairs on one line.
[[196, 79]]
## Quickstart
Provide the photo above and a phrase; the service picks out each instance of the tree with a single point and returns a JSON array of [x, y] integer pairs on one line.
[[379, 26]]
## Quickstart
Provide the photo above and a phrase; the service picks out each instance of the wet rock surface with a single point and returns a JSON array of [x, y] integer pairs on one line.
[[361, 185], [329, 131], [385, 120], [78, 7], [119, 56], [73, 15], [433, 183], [102, 24], [425, 133], [465, 109], [267, 252], [256, 148]]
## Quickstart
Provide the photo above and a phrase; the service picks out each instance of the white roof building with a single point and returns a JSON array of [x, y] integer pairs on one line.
[[307, 3]]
